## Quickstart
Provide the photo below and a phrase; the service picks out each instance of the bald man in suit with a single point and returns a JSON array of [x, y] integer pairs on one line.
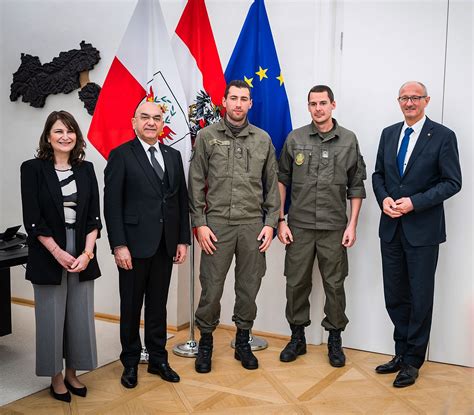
[[417, 169], [147, 216]]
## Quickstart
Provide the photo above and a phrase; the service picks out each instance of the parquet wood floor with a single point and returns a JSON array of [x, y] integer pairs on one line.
[[307, 386]]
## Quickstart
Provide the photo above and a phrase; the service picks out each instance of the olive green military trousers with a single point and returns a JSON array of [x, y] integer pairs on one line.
[[326, 246], [250, 267]]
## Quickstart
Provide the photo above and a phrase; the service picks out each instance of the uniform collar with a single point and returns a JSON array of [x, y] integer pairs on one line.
[[249, 129], [335, 132]]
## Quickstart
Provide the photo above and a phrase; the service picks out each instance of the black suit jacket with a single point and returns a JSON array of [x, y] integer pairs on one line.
[[43, 214], [432, 175], [137, 209]]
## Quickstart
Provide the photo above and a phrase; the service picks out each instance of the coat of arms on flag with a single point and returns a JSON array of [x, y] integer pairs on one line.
[[199, 65], [176, 126]]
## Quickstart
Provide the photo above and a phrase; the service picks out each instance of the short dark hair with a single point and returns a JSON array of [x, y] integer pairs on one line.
[[322, 88], [45, 151], [238, 83]]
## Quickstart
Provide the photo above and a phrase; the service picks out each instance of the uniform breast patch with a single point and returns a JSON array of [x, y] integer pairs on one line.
[[299, 159]]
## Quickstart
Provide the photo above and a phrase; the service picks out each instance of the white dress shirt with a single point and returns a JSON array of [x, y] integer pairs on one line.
[[158, 155], [413, 138]]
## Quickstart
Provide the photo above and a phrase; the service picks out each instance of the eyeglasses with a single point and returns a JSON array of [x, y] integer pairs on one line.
[[415, 99]]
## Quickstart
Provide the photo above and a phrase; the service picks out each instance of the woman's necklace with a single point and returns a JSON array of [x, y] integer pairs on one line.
[[62, 167]]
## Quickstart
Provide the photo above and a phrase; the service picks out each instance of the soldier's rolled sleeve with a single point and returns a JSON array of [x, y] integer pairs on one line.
[[197, 183], [271, 204], [284, 166], [355, 187]]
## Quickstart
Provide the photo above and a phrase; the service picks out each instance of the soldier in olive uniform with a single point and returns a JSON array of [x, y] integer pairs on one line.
[[234, 203], [322, 163]]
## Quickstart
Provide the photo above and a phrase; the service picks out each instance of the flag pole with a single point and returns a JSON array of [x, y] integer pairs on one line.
[[189, 348]]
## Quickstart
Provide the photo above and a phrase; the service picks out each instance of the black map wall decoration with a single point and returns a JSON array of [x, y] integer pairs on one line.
[[34, 81]]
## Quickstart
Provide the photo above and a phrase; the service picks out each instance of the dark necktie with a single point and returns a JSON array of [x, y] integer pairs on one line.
[[402, 152], [158, 170]]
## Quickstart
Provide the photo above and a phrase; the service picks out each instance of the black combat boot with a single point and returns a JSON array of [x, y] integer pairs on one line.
[[335, 352], [297, 345], [243, 352], [203, 359]]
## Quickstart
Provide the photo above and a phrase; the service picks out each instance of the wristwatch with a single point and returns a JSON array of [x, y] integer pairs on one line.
[[89, 255]]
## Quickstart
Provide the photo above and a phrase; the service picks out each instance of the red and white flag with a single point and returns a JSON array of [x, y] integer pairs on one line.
[[199, 65], [144, 65]]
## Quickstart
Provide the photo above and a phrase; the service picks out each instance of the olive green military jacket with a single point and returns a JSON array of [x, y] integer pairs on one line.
[[233, 180], [322, 173]]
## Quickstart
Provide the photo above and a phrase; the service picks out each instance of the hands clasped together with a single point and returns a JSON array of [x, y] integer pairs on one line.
[[397, 208], [68, 262]]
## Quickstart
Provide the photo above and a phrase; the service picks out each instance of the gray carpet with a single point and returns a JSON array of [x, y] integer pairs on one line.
[[17, 354]]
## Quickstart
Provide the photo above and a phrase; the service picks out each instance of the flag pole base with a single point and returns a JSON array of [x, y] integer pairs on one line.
[[256, 343], [144, 355], [188, 349]]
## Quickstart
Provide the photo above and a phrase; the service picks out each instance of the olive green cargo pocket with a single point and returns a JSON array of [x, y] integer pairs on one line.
[[219, 158]]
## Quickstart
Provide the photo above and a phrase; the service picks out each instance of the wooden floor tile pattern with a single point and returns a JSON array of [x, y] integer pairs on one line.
[[307, 386]]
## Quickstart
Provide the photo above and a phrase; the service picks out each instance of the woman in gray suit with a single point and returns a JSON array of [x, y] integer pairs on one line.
[[60, 201]]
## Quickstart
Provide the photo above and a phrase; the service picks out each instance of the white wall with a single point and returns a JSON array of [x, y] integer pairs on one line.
[[365, 75], [454, 300]]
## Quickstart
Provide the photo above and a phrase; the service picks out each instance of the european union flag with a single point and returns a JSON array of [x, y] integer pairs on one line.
[[255, 61]]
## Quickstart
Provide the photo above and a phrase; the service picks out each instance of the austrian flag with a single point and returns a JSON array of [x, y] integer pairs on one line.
[[143, 69], [199, 65]]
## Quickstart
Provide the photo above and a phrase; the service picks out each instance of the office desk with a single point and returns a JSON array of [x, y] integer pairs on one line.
[[8, 259]]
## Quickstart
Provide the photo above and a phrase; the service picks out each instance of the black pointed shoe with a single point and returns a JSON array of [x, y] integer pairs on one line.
[[390, 367], [129, 377], [82, 392], [164, 371], [406, 377], [63, 397]]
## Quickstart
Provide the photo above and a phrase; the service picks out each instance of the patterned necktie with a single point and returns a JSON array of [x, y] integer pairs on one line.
[[402, 152], [158, 170]]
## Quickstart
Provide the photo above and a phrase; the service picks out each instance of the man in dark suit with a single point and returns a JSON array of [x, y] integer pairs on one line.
[[417, 169], [146, 211]]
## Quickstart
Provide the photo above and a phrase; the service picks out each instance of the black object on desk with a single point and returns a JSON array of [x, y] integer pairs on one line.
[[12, 252]]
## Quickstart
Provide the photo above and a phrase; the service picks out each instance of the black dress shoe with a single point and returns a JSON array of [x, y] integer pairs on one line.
[[164, 371], [406, 377], [76, 391], [63, 397], [390, 367], [129, 377]]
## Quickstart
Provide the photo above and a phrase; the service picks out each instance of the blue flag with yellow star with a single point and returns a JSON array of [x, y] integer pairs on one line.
[[255, 61]]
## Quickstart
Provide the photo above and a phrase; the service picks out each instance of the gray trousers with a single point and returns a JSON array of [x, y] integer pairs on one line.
[[65, 326]]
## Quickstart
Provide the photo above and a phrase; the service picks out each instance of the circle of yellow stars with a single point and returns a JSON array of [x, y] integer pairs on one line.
[[262, 73]]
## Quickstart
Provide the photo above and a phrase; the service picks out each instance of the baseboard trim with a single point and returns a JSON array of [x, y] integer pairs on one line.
[[23, 301], [110, 318]]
